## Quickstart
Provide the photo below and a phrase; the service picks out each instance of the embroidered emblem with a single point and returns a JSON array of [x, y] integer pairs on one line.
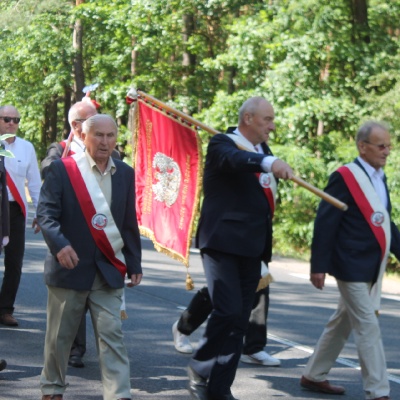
[[265, 180], [99, 221], [168, 176], [377, 218]]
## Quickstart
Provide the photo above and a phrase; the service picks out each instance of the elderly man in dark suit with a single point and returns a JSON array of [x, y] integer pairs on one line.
[[234, 236], [87, 215], [353, 246]]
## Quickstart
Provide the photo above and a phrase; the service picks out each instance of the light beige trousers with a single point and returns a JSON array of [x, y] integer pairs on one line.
[[355, 313], [64, 310]]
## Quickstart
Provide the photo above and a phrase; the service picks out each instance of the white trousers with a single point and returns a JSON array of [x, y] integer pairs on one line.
[[355, 313], [65, 308]]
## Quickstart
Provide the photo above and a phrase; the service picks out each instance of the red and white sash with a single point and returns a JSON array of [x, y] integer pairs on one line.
[[375, 213], [95, 210], [266, 179], [75, 147], [18, 197]]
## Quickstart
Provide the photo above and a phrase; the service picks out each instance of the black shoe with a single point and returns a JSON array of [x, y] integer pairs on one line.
[[197, 385], [3, 364], [76, 362]]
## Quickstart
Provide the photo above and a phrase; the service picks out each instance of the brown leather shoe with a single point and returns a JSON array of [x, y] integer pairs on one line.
[[322, 387], [8, 319], [52, 397]]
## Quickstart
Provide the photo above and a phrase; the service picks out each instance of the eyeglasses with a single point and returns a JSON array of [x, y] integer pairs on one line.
[[80, 120], [381, 147], [9, 119]]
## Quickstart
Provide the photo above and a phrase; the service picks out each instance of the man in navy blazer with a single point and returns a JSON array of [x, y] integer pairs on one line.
[[87, 215], [353, 246], [234, 236]]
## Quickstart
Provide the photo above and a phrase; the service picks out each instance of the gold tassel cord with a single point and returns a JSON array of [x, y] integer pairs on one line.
[[189, 282], [264, 282]]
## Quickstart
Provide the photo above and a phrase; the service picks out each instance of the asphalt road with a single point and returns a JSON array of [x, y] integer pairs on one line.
[[297, 316]]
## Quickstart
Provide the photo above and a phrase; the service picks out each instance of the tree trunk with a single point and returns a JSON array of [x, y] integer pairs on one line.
[[360, 20], [67, 106], [79, 77]]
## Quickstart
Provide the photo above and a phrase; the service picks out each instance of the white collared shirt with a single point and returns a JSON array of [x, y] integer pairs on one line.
[[23, 168], [376, 177]]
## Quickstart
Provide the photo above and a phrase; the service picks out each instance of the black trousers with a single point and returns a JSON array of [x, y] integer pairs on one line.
[[232, 281], [200, 308], [13, 258]]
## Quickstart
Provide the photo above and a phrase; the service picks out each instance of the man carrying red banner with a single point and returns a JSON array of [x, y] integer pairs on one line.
[[88, 219], [20, 170], [353, 246], [234, 235]]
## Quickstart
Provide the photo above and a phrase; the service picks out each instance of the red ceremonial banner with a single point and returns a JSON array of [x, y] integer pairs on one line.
[[168, 175]]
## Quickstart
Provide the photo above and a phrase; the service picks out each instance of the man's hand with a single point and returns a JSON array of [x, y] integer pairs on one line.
[[318, 280], [67, 257], [35, 226], [135, 280], [281, 170]]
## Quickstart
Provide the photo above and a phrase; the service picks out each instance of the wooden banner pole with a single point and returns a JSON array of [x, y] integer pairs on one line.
[[325, 196]]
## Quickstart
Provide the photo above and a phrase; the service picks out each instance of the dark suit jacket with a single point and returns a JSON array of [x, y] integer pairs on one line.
[[62, 222], [235, 215], [343, 243], [4, 207]]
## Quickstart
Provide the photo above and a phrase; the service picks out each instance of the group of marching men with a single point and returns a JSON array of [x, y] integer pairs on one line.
[[85, 209]]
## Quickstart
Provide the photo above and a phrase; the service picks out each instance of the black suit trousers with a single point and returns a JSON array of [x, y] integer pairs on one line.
[[200, 308], [13, 258], [232, 281]]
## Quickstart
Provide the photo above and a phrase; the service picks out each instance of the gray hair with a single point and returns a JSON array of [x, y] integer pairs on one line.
[[365, 130], [88, 125], [80, 108], [251, 106]]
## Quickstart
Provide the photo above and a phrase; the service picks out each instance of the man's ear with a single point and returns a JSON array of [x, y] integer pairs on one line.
[[248, 118], [83, 136]]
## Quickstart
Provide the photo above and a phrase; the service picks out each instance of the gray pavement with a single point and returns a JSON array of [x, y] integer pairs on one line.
[[297, 316]]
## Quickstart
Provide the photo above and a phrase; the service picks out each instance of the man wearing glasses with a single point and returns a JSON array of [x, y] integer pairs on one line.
[[353, 246], [21, 169], [77, 114]]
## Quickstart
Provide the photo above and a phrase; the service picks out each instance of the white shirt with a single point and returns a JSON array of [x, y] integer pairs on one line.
[[266, 163], [376, 177], [23, 168], [76, 145]]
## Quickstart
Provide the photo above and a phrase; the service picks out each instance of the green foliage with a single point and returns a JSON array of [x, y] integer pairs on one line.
[[324, 73]]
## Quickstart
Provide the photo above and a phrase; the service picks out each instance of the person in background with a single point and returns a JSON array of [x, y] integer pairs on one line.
[[88, 219], [77, 114], [4, 221], [20, 170], [234, 235], [353, 246]]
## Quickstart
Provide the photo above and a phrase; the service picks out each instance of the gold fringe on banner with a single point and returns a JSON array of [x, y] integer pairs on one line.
[[124, 315]]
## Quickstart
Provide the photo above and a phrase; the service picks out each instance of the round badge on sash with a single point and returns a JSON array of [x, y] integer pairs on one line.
[[377, 218], [265, 180], [99, 221]]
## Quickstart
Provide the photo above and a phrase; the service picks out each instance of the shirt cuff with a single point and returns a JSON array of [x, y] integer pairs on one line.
[[266, 163]]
